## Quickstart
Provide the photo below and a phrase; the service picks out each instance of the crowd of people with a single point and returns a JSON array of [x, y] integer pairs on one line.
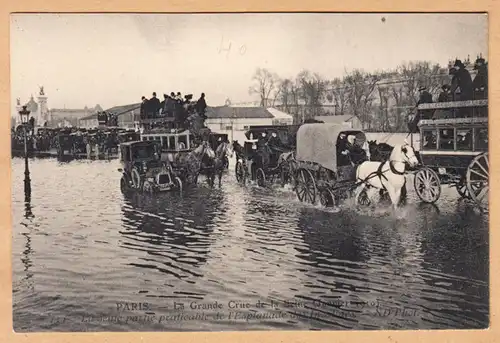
[[43, 140], [462, 86], [183, 110]]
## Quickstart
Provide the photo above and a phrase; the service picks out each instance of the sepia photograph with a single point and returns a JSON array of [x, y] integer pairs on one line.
[[249, 171]]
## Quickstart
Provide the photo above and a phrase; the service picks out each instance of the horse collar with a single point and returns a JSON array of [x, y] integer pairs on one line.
[[394, 170]]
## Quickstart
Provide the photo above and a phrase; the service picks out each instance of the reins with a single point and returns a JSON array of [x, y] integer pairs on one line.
[[380, 173]]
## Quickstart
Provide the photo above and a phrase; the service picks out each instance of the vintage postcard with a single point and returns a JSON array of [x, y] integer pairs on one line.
[[249, 171]]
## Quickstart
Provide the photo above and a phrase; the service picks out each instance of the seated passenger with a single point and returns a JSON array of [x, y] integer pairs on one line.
[[343, 151]]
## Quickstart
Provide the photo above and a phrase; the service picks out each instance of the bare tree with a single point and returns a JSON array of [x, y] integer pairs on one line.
[[264, 83], [384, 122], [421, 74], [360, 94], [340, 95], [312, 89]]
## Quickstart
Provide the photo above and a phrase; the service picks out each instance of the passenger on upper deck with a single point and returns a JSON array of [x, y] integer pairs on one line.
[[461, 83], [144, 106], [201, 106], [154, 106], [425, 98], [162, 105], [445, 95], [480, 83], [170, 105]]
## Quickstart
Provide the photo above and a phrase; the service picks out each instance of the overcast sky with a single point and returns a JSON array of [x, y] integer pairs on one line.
[[114, 59]]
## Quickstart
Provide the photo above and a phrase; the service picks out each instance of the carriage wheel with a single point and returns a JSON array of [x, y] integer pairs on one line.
[[147, 187], [305, 186], [427, 185], [178, 183], [478, 174], [136, 179], [327, 198], [123, 184], [461, 187], [260, 177]]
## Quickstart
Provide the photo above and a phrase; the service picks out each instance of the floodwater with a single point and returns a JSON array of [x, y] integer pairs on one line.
[[87, 258]]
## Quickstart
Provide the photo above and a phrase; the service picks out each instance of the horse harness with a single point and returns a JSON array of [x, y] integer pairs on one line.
[[380, 174]]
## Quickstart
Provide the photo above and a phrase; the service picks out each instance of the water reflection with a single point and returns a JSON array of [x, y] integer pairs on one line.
[[331, 236], [237, 243], [456, 254], [28, 251], [174, 230]]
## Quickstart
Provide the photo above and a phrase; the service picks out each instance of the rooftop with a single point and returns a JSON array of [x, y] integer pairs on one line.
[[237, 112]]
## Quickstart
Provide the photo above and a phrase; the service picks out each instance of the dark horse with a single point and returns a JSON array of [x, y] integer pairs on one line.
[[215, 165], [380, 152]]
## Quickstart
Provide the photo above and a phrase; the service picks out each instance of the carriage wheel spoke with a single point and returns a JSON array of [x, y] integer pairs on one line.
[[487, 163], [301, 192], [478, 173], [482, 167], [482, 193]]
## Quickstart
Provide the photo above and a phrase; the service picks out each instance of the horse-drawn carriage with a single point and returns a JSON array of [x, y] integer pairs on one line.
[[143, 169], [454, 151], [214, 141], [323, 169], [64, 142], [332, 163], [79, 141], [265, 154]]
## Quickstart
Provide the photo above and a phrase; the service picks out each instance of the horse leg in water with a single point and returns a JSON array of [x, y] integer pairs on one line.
[[395, 195], [358, 191], [220, 177], [211, 177]]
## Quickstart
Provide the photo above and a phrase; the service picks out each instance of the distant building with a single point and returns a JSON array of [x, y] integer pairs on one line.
[[56, 116], [127, 116], [234, 121], [69, 115]]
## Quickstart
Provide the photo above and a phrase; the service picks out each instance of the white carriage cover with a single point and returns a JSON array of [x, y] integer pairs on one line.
[[318, 143]]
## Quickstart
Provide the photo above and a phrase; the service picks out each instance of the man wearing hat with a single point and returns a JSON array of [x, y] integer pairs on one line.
[[461, 82], [144, 105], [445, 95], [162, 105], [480, 83], [201, 106], [425, 98], [154, 105]]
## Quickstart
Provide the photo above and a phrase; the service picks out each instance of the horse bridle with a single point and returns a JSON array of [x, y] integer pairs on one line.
[[404, 150]]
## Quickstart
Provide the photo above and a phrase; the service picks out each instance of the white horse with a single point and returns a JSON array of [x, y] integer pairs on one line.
[[388, 175]]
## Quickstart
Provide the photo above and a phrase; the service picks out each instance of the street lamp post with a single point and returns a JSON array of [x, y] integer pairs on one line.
[[24, 113], [233, 117]]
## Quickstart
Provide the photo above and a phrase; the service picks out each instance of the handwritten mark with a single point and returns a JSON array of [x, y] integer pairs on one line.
[[227, 47]]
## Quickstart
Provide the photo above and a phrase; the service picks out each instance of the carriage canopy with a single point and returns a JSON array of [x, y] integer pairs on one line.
[[318, 143]]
